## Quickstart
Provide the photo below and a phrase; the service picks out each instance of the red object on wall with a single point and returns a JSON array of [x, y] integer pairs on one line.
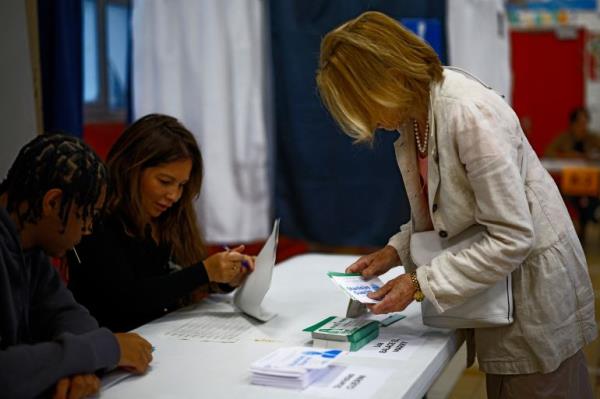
[[548, 82], [101, 136]]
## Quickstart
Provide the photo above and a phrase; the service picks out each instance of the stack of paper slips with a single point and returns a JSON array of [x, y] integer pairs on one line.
[[343, 333], [355, 286], [295, 367]]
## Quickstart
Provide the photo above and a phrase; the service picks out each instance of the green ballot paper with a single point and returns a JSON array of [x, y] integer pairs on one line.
[[343, 333]]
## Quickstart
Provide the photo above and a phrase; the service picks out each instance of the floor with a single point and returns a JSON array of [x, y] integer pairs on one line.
[[471, 385]]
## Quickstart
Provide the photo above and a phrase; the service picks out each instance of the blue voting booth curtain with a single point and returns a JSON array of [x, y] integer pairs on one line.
[[328, 190], [60, 34]]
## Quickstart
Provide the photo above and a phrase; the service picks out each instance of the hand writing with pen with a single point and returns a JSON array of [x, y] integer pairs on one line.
[[230, 266]]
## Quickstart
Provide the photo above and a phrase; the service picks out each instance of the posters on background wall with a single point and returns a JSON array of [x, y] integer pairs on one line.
[[566, 16], [547, 13]]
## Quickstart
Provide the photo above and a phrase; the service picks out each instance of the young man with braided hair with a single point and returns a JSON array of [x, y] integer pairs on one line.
[[49, 344]]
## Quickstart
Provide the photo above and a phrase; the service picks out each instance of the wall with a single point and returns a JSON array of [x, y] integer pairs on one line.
[[17, 106]]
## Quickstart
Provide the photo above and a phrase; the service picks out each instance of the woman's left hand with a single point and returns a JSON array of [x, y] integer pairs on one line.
[[395, 295]]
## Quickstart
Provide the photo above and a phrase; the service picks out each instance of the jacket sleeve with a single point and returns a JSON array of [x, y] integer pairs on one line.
[[72, 342], [110, 280], [488, 141], [53, 309], [401, 243], [138, 295]]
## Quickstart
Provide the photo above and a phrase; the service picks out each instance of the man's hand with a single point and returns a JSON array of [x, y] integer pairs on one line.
[[395, 295], [136, 352], [77, 386], [375, 264]]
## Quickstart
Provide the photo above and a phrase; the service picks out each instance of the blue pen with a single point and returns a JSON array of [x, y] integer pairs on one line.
[[245, 264]]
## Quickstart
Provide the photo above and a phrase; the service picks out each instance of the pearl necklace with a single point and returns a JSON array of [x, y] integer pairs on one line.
[[421, 148]]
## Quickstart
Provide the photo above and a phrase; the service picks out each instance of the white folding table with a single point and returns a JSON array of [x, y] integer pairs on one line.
[[301, 294]]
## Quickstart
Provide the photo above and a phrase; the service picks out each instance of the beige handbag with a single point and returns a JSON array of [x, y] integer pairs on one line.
[[490, 308]]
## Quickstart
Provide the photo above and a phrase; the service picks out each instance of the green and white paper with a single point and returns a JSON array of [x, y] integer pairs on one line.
[[356, 286]]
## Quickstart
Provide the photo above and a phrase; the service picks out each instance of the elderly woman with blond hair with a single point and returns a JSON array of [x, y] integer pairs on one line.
[[459, 153]]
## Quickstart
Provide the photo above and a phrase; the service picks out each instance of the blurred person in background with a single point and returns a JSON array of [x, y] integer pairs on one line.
[[579, 142]]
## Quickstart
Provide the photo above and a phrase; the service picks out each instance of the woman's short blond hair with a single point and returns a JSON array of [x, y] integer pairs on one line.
[[373, 66]]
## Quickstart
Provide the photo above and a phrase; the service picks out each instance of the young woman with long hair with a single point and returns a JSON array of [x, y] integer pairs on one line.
[[147, 257]]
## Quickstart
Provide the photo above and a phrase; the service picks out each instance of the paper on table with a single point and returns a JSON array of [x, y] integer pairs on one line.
[[356, 286], [391, 345], [117, 375], [294, 367], [212, 327], [297, 359], [112, 378], [352, 382], [248, 297]]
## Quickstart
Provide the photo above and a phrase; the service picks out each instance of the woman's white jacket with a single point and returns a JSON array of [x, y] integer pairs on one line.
[[474, 160]]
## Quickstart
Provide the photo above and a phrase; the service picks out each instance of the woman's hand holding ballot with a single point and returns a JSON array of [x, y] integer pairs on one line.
[[376, 263], [396, 294]]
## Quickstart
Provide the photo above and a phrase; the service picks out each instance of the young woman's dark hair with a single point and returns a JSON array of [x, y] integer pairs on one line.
[[54, 161], [153, 140]]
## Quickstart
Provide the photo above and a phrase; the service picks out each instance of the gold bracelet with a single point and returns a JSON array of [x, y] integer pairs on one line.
[[418, 296]]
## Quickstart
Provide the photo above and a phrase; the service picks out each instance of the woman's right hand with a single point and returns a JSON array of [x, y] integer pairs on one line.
[[229, 266], [376, 263], [136, 352]]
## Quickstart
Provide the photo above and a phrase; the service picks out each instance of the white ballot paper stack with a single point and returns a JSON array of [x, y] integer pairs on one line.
[[295, 367]]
